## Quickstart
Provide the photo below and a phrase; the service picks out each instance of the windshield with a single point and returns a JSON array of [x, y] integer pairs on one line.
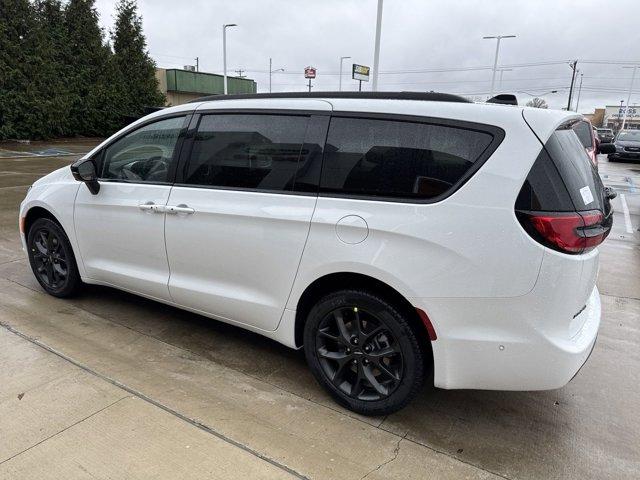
[[634, 136]]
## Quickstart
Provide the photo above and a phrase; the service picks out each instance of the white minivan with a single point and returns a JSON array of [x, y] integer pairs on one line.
[[399, 238]]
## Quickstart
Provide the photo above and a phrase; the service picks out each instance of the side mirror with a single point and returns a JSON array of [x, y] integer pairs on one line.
[[610, 193], [85, 171], [606, 148]]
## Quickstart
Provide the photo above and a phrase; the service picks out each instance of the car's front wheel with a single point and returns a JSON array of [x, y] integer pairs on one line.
[[52, 259], [363, 352]]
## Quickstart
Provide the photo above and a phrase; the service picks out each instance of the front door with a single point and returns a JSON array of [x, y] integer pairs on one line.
[[237, 223], [120, 230]]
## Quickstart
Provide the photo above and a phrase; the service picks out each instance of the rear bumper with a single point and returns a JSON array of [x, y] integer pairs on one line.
[[508, 350]]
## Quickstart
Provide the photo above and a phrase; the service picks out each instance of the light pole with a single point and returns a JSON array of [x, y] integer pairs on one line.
[[626, 110], [376, 50], [579, 92], [619, 115], [502, 70], [340, 80], [273, 71], [224, 51], [495, 61]]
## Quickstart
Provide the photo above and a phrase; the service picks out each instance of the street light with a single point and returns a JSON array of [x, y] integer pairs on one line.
[[376, 49], [502, 70], [495, 61], [579, 92], [224, 52], [273, 71], [626, 110], [340, 80]]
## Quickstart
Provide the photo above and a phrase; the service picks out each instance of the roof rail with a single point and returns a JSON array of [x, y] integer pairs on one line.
[[426, 96]]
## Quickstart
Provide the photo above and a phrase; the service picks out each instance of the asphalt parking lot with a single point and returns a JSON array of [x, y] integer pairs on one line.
[[109, 385]]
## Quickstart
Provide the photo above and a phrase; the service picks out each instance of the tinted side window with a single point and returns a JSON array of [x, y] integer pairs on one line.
[[391, 158], [247, 151], [143, 155]]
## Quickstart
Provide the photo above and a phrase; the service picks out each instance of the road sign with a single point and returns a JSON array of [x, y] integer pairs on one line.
[[360, 72], [310, 72]]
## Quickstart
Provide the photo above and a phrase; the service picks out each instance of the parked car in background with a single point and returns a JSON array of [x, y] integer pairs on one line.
[[627, 144], [392, 236], [605, 135], [588, 138]]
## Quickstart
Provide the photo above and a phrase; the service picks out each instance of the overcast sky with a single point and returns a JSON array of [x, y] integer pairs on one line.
[[416, 35]]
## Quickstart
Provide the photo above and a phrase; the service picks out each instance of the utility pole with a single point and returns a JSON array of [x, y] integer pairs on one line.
[[573, 81], [626, 110], [340, 79], [197, 64], [376, 50], [579, 92], [495, 60], [239, 72], [224, 52], [309, 85]]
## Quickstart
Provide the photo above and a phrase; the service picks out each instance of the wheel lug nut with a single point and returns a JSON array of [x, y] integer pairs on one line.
[[355, 362]]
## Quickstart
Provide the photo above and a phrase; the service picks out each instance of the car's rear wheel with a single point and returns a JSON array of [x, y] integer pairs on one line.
[[363, 352], [51, 258]]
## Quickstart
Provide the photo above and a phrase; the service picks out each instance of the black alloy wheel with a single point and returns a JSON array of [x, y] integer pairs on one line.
[[364, 352], [51, 258], [359, 354]]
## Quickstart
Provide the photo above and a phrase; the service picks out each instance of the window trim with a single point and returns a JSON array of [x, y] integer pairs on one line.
[[98, 157], [185, 158], [497, 134]]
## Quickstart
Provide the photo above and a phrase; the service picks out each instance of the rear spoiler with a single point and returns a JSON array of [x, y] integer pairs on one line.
[[504, 99]]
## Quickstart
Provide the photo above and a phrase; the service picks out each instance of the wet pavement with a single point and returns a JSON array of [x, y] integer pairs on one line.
[[111, 385]]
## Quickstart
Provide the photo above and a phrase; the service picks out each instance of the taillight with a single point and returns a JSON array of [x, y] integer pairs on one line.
[[570, 232]]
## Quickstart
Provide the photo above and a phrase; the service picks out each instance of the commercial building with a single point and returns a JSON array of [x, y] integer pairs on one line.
[[596, 118], [182, 86], [614, 114]]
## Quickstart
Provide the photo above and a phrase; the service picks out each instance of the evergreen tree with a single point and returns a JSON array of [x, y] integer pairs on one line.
[[51, 81], [19, 64], [136, 70], [91, 75]]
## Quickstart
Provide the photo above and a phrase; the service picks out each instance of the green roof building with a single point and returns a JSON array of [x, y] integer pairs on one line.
[[182, 86]]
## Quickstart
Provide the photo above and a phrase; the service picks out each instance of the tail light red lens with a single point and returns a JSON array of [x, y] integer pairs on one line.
[[570, 232]]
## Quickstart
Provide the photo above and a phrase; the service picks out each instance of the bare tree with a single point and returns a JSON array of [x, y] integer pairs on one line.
[[537, 102]]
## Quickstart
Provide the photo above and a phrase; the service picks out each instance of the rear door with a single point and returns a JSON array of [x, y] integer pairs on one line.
[[239, 214]]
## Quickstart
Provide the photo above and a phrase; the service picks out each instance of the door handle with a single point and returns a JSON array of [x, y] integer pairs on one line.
[[148, 207], [182, 208]]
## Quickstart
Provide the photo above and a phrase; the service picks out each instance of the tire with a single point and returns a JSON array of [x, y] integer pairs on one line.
[[51, 259], [346, 337]]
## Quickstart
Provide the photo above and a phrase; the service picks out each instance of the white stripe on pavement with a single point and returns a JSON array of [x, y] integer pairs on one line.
[[625, 210]]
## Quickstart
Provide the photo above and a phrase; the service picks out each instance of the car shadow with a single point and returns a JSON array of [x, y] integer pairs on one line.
[[504, 432]]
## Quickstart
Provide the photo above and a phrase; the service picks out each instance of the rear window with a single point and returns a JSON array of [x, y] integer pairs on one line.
[[389, 158], [580, 177]]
